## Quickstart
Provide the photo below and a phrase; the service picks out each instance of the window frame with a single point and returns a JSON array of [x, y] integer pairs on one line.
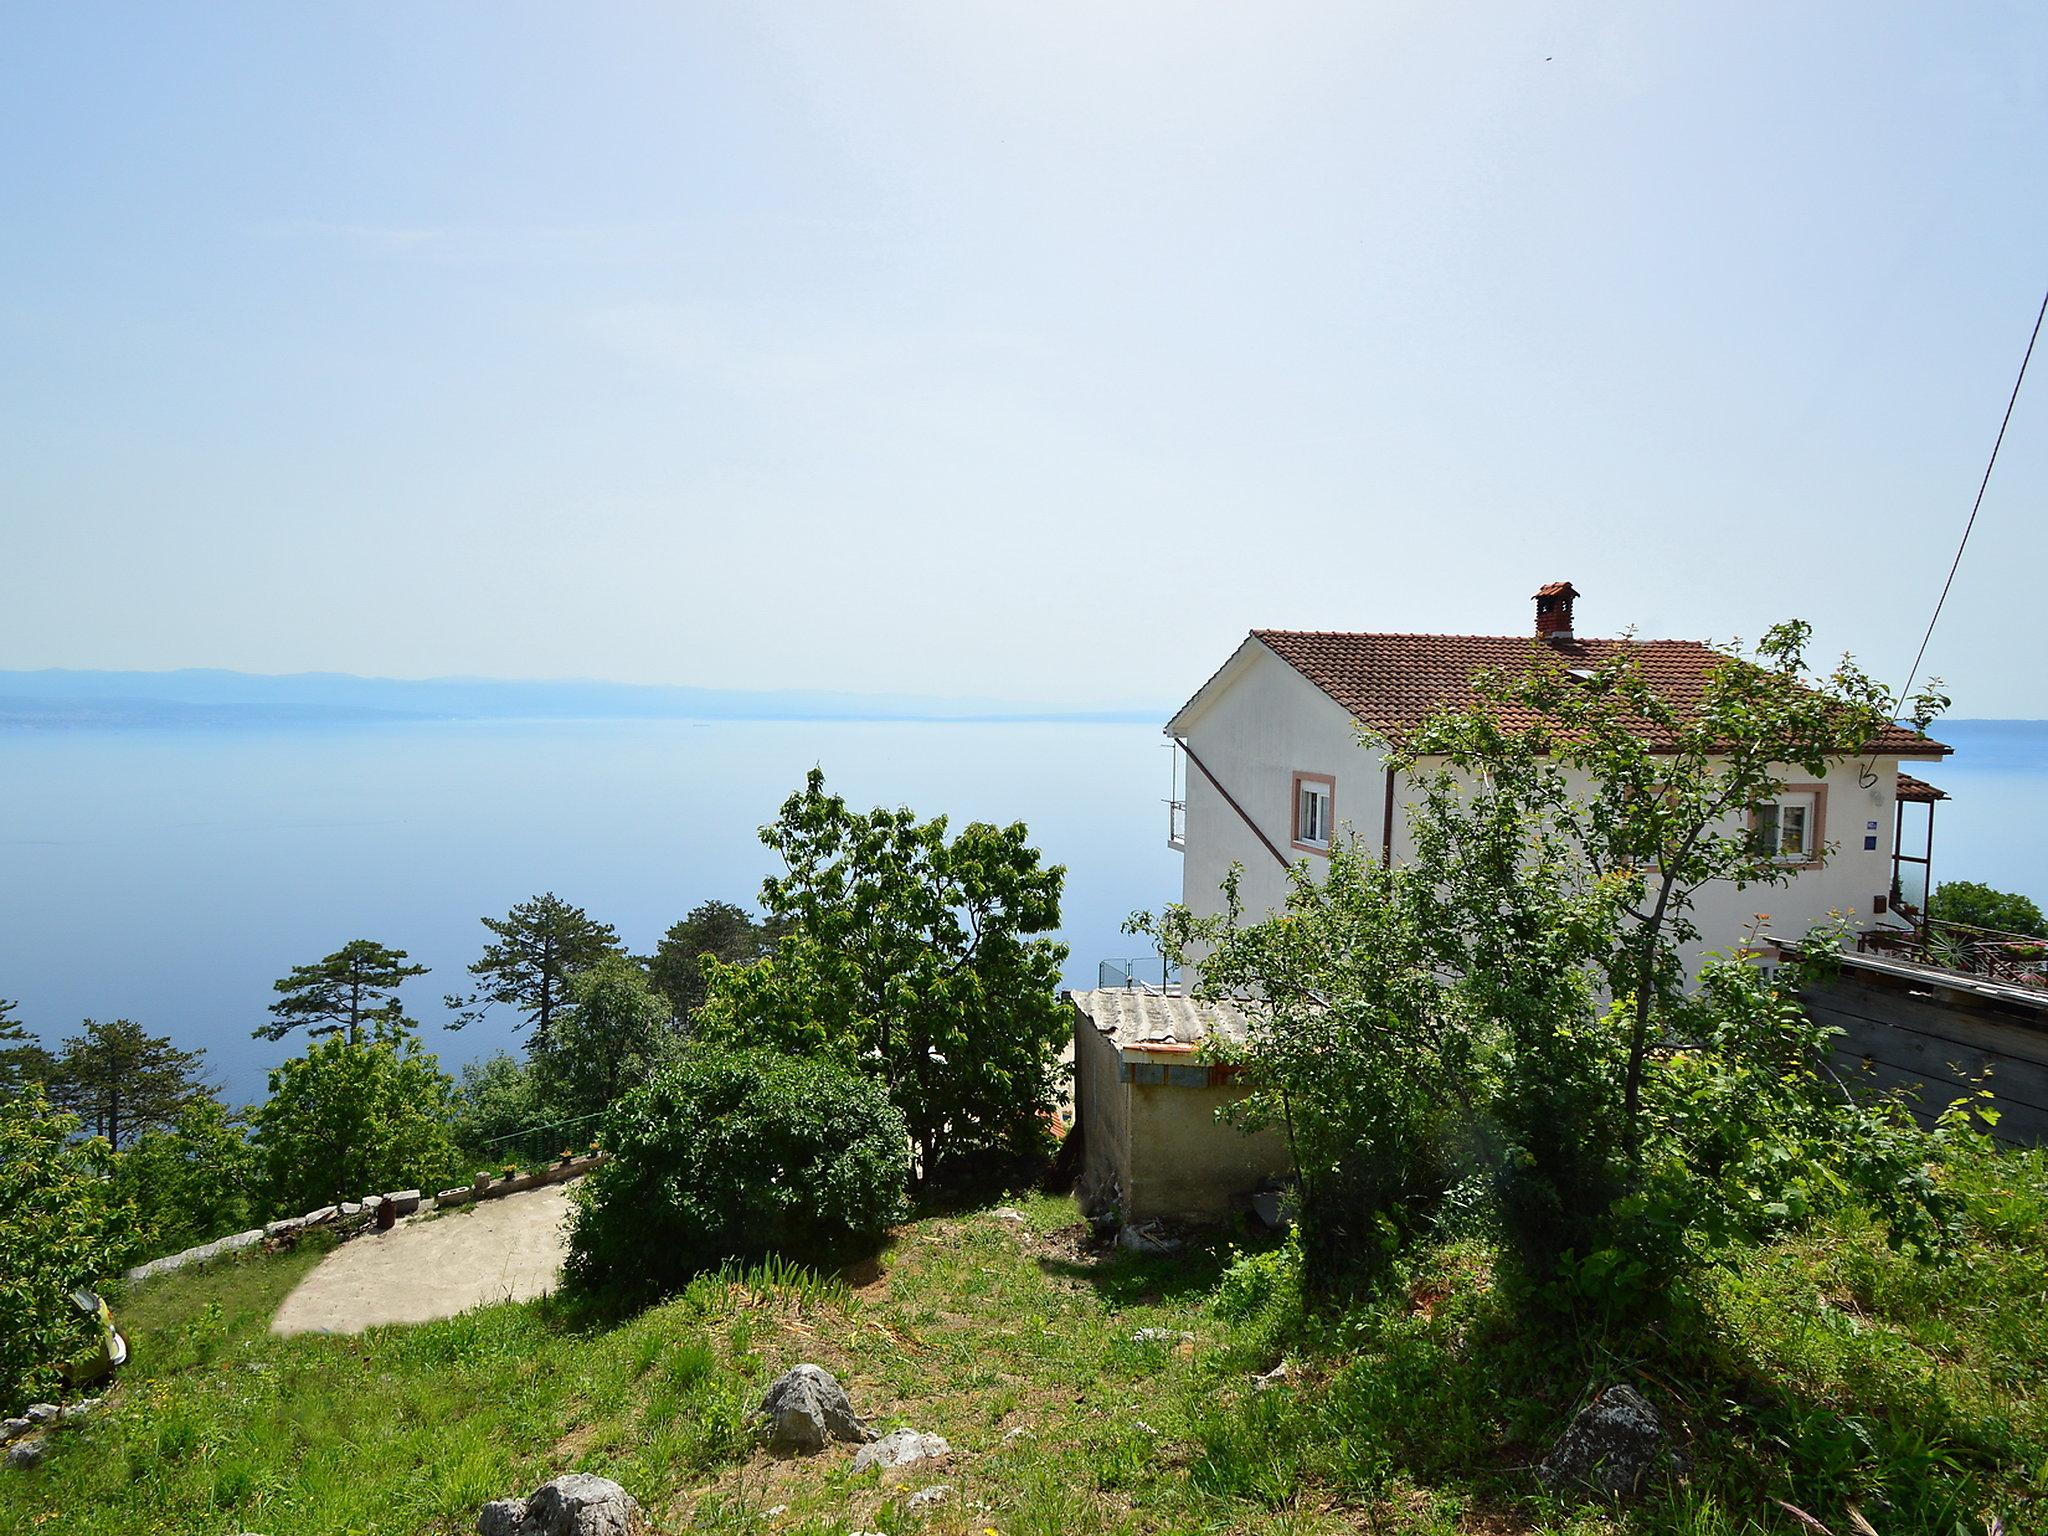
[[1815, 797], [1328, 784]]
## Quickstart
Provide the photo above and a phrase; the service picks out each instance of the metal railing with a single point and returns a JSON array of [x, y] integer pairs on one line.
[[1128, 975], [1176, 823], [534, 1145], [2017, 959]]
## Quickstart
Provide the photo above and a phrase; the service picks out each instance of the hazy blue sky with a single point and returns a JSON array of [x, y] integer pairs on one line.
[[1030, 350]]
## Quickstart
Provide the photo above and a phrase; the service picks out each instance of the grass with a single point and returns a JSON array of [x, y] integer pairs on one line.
[[1823, 1371]]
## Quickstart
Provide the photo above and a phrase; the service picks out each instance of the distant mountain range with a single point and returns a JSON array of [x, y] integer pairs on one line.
[[59, 698]]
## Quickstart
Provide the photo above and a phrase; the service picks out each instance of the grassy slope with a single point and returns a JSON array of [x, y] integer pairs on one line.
[[1833, 1373]]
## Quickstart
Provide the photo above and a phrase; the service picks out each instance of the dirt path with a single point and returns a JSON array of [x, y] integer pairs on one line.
[[435, 1266]]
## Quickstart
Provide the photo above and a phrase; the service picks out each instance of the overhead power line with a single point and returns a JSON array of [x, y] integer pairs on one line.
[[1963, 543]]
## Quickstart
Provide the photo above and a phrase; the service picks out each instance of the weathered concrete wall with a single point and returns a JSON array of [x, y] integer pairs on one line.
[[1102, 1111], [1908, 1032], [1188, 1163]]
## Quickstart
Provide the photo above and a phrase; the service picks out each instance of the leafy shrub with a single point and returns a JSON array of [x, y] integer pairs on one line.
[[60, 1229], [737, 1155], [496, 1099], [614, 1030], [1256, 1281], [191, 1183], [347, 1119]]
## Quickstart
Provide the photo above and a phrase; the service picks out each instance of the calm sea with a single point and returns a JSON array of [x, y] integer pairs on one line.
[[170, 876]]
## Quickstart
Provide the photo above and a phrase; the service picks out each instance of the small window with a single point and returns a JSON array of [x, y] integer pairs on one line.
[[1314, 797], [1787, 828]]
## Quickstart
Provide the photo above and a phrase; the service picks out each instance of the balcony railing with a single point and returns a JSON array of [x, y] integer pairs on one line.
[[2017, 959], [1176, 824], [1134, 975]]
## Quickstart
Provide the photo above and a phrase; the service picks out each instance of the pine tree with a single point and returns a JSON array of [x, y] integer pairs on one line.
[[726, 932], [121, 1080], [539, 945], [354, 987], [22, 1058]]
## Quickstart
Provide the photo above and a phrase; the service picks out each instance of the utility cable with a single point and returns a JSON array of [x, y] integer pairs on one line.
[[1920, 655]]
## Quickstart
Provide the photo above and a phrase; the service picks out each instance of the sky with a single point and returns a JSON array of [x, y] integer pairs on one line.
[[1011, 350]]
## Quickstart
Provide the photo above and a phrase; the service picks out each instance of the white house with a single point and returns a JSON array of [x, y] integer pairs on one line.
[[1273, 769]]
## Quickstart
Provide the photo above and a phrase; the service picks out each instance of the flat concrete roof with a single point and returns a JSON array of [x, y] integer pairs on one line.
[[1160, 1021]]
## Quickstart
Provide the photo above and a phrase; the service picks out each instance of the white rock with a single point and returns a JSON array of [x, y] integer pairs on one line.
[[901, 1448], [928, 1499]]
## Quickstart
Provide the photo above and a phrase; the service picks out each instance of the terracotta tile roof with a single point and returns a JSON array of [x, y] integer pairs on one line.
[[1557, 589], [1911, 788], [1393, 683]]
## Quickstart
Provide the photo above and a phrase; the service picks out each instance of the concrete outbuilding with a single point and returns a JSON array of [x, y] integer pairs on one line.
[[1147, 1088]]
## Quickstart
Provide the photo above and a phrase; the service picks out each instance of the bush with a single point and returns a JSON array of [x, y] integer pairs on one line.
[[352, 1119], [496, 1099], [60, 1229], [736, 1155], [1976, 905], [190, 1184]]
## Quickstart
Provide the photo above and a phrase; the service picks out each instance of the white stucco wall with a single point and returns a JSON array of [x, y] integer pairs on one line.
[[1255, 734], [1264, 722]]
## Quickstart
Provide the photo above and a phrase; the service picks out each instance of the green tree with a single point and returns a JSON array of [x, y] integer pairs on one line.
[[725, 932], [1982, 906], [351, 1119], [911, 955], [22, 1057], [538, 946], [497, 1098], [1671, 784], [61, 1228], [121, 1080], [613, 1031], [348, 991], [191, 1182]]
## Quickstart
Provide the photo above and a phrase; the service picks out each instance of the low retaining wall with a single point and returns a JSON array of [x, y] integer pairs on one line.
[[496, 1189], [348, 1214]]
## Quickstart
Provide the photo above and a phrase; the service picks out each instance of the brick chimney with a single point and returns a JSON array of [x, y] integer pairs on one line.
[[1554, 610]]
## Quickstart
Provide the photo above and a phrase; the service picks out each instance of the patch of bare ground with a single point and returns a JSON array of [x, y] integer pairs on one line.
[[566, 1451], [1076, 1241]]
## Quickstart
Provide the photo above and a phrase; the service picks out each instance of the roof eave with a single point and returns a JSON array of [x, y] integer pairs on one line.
[[1219, 680]]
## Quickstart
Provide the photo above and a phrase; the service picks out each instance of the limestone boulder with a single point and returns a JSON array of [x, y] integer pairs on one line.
[[805, 1410], [578, 1504]]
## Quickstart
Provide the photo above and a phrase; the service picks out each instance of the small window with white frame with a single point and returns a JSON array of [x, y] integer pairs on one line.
[[1788, 828], [1315, 797]]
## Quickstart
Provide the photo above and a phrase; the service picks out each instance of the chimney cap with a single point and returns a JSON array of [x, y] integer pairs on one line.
[[1556, 589]]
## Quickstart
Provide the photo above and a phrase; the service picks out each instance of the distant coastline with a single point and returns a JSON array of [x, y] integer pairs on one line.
[[197, 698]]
